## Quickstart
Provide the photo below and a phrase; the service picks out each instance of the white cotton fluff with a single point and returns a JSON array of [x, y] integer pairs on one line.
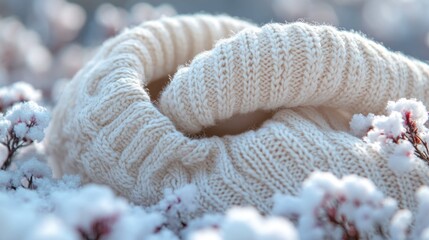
[[247, 223], [178, 206], [51, 228], [421, 227], [20, 129], [91, 204], [29, 120], [361, 124], [400, 224], [206, 222], [353, 199], [182, 199], [416, 108], [402, 159], [391, 126], [16, 218], [136, 224], [286, 205]]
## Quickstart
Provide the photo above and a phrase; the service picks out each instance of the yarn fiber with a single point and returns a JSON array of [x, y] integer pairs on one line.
[[106, 128]]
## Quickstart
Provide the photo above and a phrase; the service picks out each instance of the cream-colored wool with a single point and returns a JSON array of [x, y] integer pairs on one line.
[[106, 127]]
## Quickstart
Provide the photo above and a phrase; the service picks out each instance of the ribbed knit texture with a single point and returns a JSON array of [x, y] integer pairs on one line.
[[106, 128]]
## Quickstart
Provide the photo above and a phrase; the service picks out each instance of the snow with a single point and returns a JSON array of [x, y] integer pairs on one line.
[[36, 206]]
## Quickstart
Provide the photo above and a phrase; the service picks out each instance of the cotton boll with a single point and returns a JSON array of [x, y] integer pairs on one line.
[[402, 159], [91, 206], [36, 133], [360, 124], [188, 195], [392, 125], [15, 222], [240, 223], [376, 136], [350, 200], [20, 130], [400, 225], [52, 228], [246, 223], [323, 180], [388, 208], [363, 218], [309, 229], [178, 206], [136, 224], [421, 219], [33, 116], [284, 205], [357, 188], [416, 108], [206, 222], [277, 229], [311, 198]]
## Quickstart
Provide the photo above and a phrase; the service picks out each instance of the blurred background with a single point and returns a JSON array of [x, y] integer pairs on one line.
[[44, 42]]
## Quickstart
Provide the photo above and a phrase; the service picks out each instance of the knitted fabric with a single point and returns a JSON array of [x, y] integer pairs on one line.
[[106, 128]]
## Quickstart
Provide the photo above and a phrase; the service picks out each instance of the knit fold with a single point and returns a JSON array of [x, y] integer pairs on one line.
[[304, 65], [107, 127]]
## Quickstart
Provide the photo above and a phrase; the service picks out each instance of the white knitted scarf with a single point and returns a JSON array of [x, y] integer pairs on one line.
[[107, 128]]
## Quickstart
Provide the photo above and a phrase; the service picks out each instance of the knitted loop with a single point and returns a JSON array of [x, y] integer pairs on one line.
[[284, 66]]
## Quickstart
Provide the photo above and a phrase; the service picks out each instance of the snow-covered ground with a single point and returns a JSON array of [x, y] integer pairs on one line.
[[37, 59]]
